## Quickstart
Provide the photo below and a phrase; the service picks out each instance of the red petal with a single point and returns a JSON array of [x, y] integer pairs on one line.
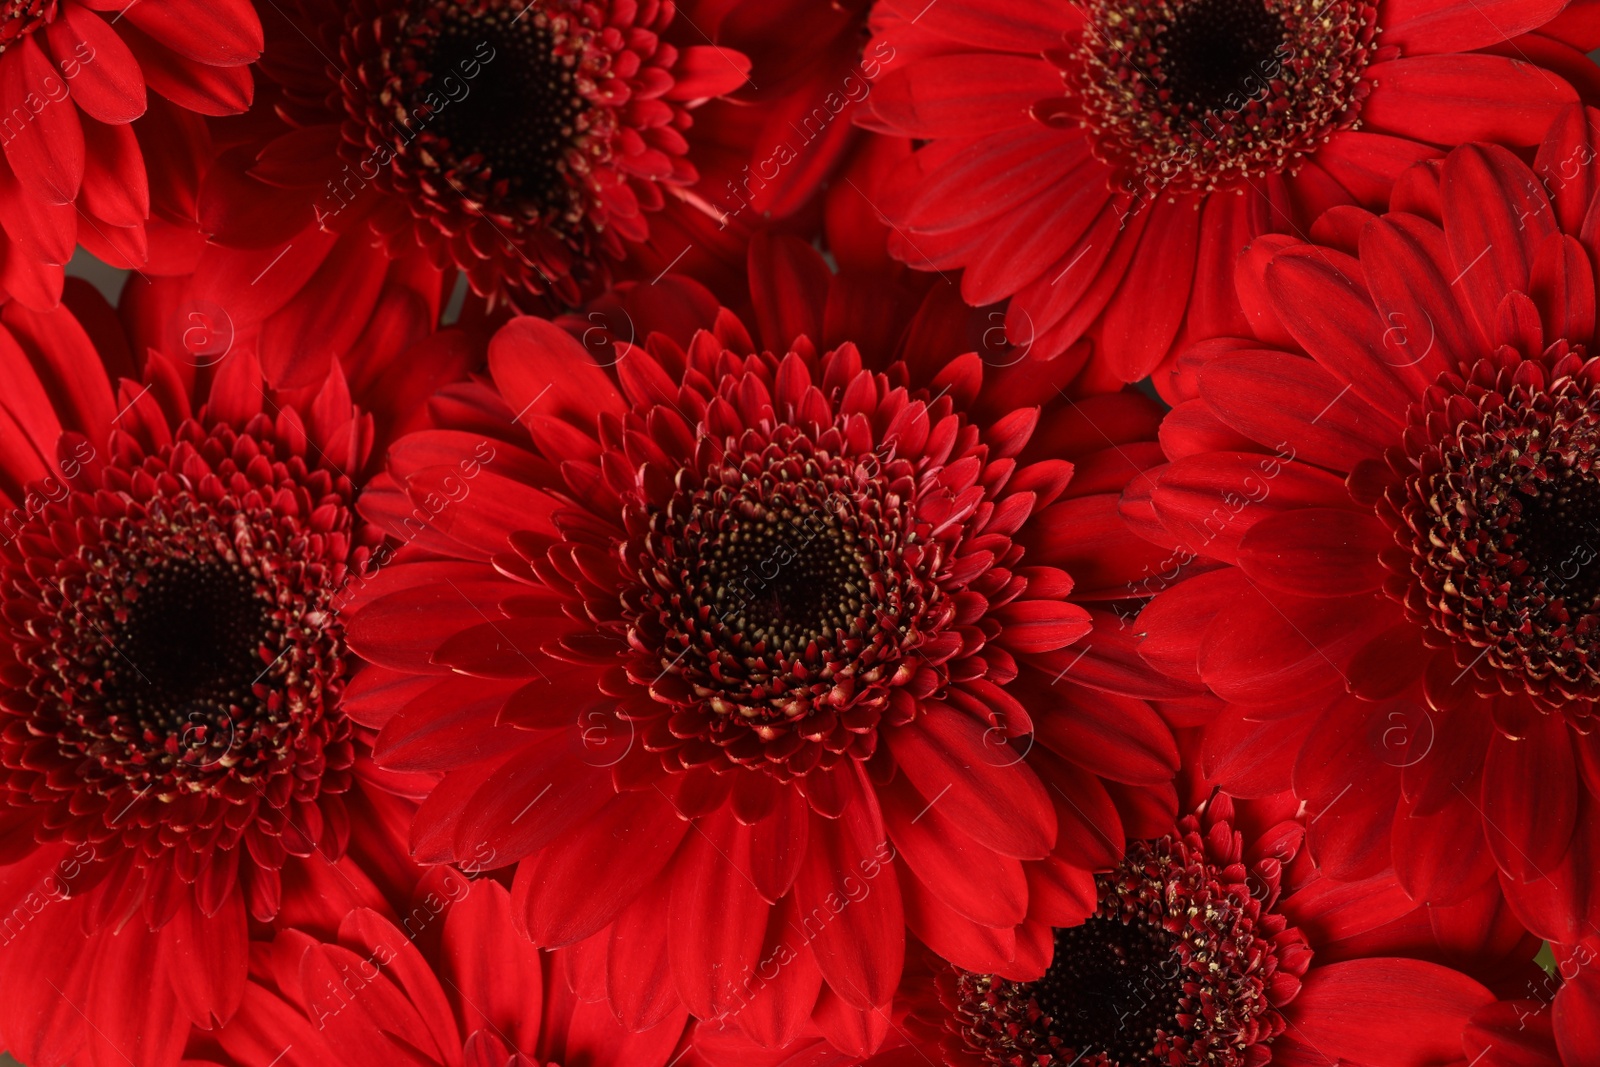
[[704, 71], [1420, 27], [45, 148], [215, 33], [544, 372], [850, 905], [1140, 322], [1530, 797], [109, 86], [1209, 501], [531, 799], [146, 1029], [716, 920], [497, 974], [1320, 298], [1114, 736], [789, 289], [1451, 99], [1519, 1034], [1002, 802], [1405, 1013], [208, 958], [1041, 625], [1406, 262], [1319, 552], [1026, 26], [1495, 219], [961, 95], [594, 870], [1577, 1017], [192, 86], [967, 877], [638, 971], [1264, 647]]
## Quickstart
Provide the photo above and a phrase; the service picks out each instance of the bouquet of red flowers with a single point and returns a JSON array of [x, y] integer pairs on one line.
[[982, 533]]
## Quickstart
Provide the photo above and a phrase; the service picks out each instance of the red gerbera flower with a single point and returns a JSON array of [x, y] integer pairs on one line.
[[1398, 475], [1213, 944], [73, 76], [525, 144], [174, 552], [1556, 1023], [448, 984], [730, 644], [1102, 164]]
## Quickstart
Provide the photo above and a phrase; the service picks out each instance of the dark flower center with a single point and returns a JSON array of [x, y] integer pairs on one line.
[[786, 587], [508, 99], [1213, 47], [1112, 987], [1178, 967], [178, 665], [1193, 95], [783, 582], [1559, 534], [793, 573], [190, 649], [1496, 509]]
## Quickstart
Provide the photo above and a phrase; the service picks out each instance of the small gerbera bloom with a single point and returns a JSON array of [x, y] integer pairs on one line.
[[74, 75], [1394, 488], [525, 144], [174, 552], [735, 645], [1103, 163], [1212, 945]]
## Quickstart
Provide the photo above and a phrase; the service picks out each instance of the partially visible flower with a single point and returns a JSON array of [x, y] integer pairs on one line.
[[1102, 164], [1385, 502], [76, 168], [448, 983], [1213, 945], [527, 145], [177, 545], [753, 650]]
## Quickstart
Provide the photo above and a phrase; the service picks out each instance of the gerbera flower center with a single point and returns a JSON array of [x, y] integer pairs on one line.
[[1559, 531], [193, 642], [508, 78], [785, 583], [788, 587], [1176, 968], [174, 643], [1112, 986], [1182, 95], [1213, 47], [794, 572], [1498, 519]]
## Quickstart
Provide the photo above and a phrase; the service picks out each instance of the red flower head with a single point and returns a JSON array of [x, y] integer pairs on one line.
[[1402, 617], [1102, 163], [448, 984], [525, 144], [174, 554], [73, 77], [1215, 943], [732, 644]]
